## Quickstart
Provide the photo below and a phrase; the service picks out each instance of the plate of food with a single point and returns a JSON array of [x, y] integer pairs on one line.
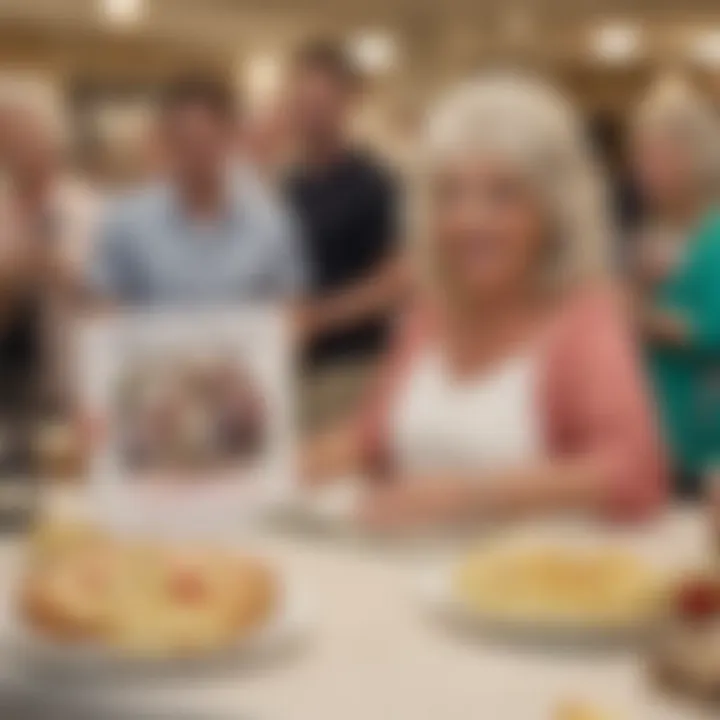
[[89, 601], [685, 658], [549, 591]]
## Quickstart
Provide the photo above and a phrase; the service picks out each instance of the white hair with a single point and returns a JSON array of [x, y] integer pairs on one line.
[[532, 127], [675, 109]]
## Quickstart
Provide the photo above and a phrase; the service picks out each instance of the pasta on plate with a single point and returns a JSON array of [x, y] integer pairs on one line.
[[554, 585]]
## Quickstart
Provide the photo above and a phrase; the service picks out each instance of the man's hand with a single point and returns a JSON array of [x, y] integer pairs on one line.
[[371, 297], [307, 323]]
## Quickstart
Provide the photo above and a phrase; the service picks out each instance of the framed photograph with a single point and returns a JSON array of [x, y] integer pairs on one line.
[[191, 414]]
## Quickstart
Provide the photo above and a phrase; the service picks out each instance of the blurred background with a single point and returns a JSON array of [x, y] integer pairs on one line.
[[104, 58], [100, 67]]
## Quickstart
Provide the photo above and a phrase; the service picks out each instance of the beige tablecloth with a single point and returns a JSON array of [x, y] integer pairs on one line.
[[375, 654]]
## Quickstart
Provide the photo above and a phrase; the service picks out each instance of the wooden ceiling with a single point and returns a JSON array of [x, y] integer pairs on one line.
[[232, 22], [442, 37]]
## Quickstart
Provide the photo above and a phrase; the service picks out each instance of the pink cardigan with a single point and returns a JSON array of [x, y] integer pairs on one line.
[[592, 394]]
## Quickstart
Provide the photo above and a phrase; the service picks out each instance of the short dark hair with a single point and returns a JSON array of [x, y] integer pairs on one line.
[[209, 92], [330, 58]]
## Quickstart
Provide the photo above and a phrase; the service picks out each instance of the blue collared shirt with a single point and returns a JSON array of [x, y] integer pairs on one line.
[[150, 252]]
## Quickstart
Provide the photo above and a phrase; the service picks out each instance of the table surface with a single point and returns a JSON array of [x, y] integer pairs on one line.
[[376, 653]]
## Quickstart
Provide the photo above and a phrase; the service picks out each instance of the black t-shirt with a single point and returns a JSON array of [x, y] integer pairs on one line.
[[20, 353], [348, 217]]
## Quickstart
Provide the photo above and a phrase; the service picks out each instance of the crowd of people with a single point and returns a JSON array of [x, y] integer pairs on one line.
[[480, 336]]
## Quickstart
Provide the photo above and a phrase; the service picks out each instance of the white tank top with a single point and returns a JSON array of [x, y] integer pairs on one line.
[[488, 422]]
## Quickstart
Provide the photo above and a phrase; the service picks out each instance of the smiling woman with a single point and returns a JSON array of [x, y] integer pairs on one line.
[[520, 141], [676, 158], [496, 399]]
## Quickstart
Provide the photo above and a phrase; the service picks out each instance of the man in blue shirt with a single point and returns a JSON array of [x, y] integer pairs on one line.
[[209, 233]]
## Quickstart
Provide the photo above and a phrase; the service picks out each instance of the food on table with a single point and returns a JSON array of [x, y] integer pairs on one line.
[[52, 540], [556, 584], [687, 655], [581, 711], [68, 595], [713, 505], [698, 600], [143, 598]]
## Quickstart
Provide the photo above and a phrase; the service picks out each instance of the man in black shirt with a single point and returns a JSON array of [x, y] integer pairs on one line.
[[347, 206]]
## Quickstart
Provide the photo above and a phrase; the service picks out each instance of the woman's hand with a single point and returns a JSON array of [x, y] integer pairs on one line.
[[407, 503], [411, 503]]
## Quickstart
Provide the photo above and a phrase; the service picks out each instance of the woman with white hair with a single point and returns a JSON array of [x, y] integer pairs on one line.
[[676, 153], [513, 386]]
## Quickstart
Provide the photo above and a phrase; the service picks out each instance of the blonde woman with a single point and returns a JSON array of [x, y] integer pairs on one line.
[[676, 144], [513, 386]]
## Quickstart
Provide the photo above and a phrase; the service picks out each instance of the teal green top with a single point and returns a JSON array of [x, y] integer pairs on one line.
[[687, 378]]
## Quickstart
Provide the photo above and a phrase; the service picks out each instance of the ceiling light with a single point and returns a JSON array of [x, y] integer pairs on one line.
[[705, 48], [616, 43], [122, 12], [375, 52]]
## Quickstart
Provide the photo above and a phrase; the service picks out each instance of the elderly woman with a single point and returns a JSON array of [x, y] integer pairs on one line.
[[513, 386], [676, 143]]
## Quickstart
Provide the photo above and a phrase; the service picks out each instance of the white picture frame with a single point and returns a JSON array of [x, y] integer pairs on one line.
[[110, 348]]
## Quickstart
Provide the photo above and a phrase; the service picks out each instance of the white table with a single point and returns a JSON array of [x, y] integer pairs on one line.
[[376, 655]]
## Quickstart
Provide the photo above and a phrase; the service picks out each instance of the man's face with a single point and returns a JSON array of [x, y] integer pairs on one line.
[[197, 142], [30, 152], [319, 104]]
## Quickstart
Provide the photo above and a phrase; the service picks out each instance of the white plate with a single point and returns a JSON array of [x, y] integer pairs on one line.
[[283, 633], [331, 508], [435, 588]]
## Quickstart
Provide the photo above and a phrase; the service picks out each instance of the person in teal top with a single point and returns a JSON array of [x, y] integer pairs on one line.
[[677, 160]]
